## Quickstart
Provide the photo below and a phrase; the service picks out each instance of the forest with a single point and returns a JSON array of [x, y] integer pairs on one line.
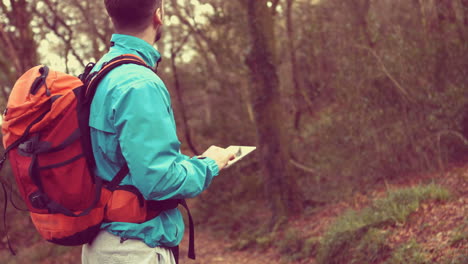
[[358, 110]]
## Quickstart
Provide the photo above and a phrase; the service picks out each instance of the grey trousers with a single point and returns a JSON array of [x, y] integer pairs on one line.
[[107, 249]]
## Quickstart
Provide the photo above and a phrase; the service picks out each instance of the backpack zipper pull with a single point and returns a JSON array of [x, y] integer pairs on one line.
[[47, 89], [41, 80]]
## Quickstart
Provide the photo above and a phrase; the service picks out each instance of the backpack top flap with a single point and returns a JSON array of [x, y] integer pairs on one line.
[[31, 96]]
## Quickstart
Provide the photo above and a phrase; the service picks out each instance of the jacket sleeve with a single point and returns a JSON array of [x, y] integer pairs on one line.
[[147, 136]]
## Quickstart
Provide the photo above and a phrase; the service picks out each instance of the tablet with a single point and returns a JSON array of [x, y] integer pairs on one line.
[[240, 152]]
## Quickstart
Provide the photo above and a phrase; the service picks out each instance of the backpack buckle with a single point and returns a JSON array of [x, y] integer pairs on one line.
[[86, 72], [27, 146], [38, 200]]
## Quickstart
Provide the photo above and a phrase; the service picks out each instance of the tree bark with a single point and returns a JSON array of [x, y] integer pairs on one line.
[[281, 186], [301, 97], [460, 17], [20, 48], [361, 8]]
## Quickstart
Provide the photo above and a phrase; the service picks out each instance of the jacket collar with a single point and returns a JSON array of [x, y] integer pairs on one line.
[[137, 46]]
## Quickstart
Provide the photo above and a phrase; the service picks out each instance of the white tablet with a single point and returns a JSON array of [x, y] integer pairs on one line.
[[240, 152]]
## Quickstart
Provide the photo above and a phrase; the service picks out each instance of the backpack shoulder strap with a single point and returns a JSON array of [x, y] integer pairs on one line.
[[86, 95], [92, 82]]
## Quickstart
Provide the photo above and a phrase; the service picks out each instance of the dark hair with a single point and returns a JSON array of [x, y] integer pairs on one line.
[[131, 15]]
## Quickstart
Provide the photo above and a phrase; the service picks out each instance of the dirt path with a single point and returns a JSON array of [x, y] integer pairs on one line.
[[211, 250]]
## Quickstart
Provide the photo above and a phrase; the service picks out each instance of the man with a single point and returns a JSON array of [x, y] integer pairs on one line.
[[132, 122]]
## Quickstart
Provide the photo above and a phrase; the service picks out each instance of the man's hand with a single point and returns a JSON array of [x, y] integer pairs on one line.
[[220, 155]]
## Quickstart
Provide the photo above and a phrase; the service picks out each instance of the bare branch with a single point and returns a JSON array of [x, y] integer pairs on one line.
[[175, 51], [196, 31], [402, 90], [92, 25], [54, 27], [439, 136], [452, 132], [302, 166]]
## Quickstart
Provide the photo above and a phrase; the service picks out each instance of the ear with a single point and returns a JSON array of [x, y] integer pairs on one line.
[[157, 17]]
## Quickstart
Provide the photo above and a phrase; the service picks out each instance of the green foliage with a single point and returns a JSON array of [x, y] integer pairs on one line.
[[264, 242], [363, 245], [357, 232], [372, 248], [410, 252], [261, 238], [401, 202], [290, 243], [294, 246]]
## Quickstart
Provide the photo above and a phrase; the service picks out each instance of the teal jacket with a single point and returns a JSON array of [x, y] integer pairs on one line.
[[132, 121]]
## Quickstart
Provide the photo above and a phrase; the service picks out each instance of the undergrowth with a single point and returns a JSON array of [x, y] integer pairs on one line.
[[460, 235], [410, 252], [356, 236]]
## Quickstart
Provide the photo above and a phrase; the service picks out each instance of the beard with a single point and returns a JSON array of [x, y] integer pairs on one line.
[[158, 36]]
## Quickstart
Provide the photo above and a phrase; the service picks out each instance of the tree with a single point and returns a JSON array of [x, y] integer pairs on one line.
[[285, 197], [217, 40], [19, 48], [83, 30], [300, 95]]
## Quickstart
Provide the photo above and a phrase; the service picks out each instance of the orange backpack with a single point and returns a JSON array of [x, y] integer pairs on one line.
[[46, 137]]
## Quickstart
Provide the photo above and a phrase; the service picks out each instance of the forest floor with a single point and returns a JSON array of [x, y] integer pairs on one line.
[[432, 225]]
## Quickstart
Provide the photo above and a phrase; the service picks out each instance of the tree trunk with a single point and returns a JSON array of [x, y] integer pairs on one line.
[[27, 44], [180, 100], [301, 97], [17, 40], [460, 17], [281, 186], [20, 44]]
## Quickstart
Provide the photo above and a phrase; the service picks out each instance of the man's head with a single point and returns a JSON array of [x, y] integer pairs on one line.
[[136, 16]]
